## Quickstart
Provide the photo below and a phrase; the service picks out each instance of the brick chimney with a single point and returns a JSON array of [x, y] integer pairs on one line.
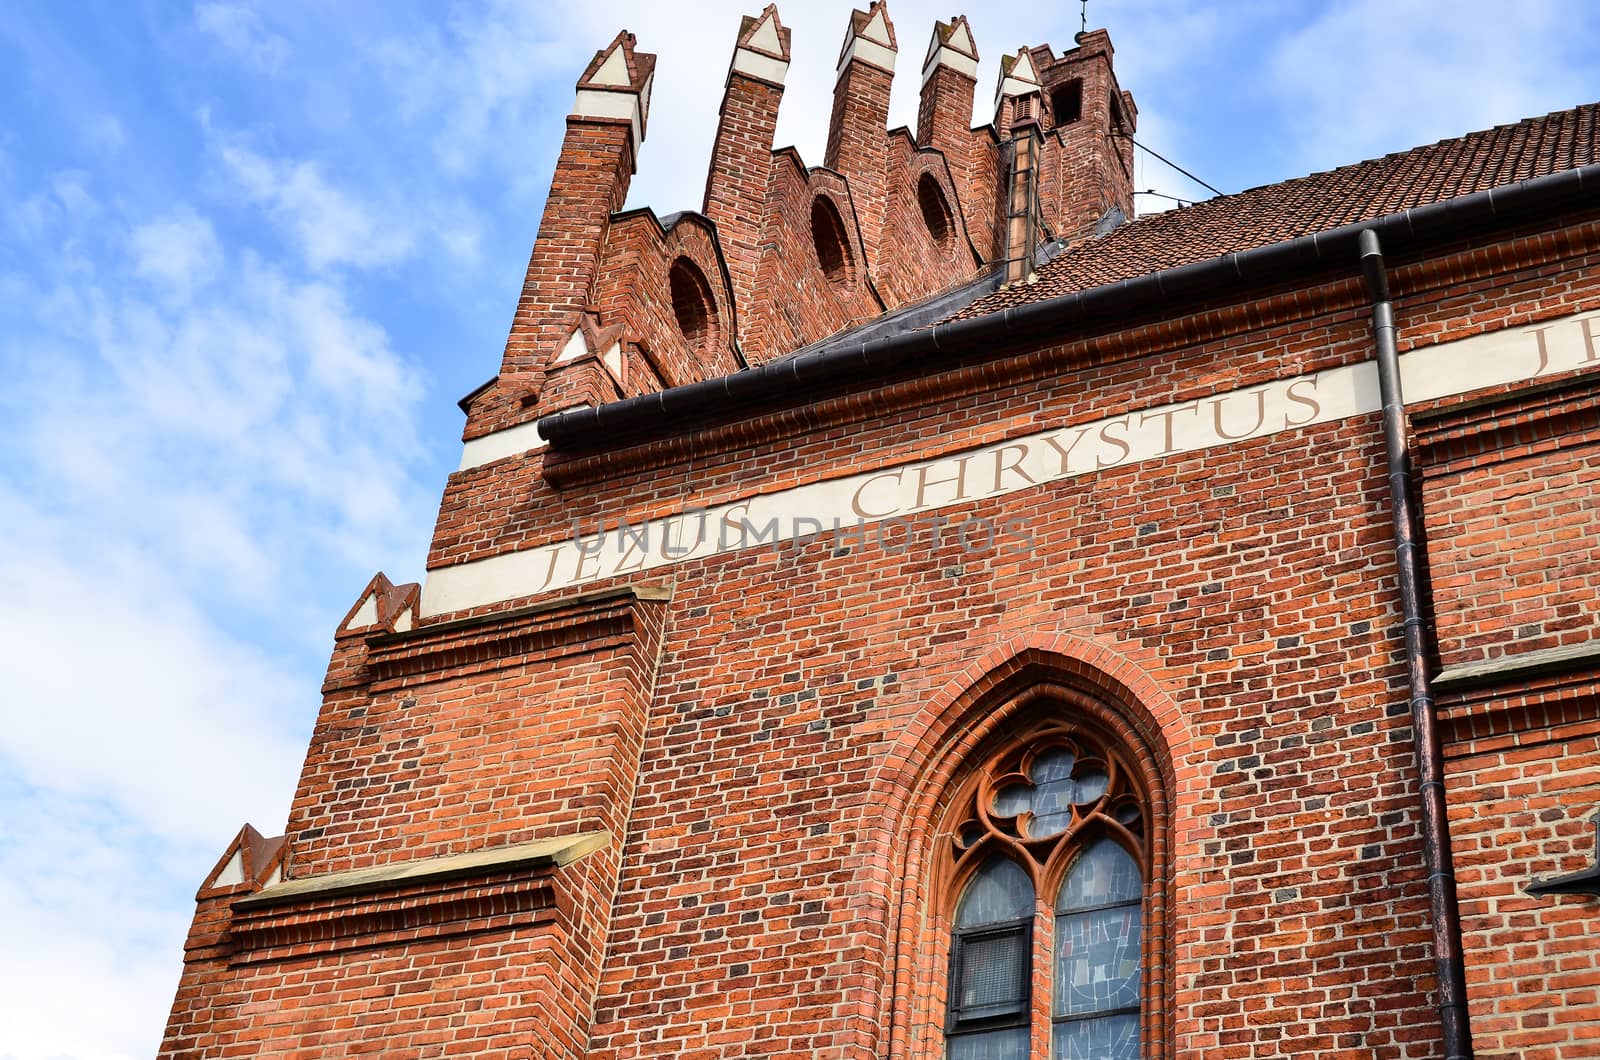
[[944, 114], [741, 158], [858, 131], [596, 163], [1017, 108], [1091, 122]]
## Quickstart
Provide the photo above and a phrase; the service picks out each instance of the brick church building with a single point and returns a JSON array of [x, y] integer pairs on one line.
[[910, 608]]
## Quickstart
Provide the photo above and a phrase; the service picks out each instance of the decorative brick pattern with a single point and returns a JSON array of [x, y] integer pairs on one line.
[[857, 144], [1090, 170], [756, 234], [451, 738], [944, 114]]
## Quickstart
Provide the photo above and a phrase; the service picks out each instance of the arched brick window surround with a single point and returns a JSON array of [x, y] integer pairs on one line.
[[830, 241], [937, 216], [929, 174], [694, 306], [1006, 707]]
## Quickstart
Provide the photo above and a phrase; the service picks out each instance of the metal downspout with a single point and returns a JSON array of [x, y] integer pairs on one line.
[[1446, 921]]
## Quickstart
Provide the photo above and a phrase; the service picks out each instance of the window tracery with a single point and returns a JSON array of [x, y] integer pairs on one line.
[[1059, 813]]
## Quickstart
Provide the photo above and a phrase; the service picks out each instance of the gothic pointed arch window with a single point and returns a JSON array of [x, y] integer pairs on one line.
[[1049, 867]]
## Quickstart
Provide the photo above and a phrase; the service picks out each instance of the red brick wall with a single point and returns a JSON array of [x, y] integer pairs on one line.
[[633, 289], [736, 183], [591, 182], [944, 119], [1088, 164], [507, 733], [922, 264], [987, 178], [511, 974], [1172, 361], [761, 200], [1510, 484], [460, 740], [857, 148], [811, 306], [781, 693], [1249, 592], [438, 998], [1524, 780], [593, 172], [1513, 523]]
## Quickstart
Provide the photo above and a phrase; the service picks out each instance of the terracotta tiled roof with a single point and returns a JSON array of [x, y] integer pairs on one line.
[[1275, 212]]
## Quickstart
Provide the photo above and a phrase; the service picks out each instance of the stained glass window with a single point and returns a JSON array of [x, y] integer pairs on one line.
[[1058, 781], [1061, 800], [1000, 891], [1098, 922], [991, 965], [1008, 1044]]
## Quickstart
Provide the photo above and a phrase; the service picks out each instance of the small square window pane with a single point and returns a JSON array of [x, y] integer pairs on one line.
[[1108, 1038], [1009, 1044], [993, 974], [1092, 784]]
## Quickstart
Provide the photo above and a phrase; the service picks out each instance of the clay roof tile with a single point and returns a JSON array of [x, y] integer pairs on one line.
[[1275, 212]]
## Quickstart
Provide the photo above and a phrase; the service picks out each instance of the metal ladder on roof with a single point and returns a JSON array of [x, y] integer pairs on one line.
[[1023, 224]]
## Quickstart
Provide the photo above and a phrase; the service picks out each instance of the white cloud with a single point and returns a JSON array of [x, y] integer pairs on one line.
[[344, 353], [184, 476], [208, 448], [457, 227], [92, 903], [171, 708], [479, 81], [1355, 92], [1309, 93], [331, 227], [239, 28], [494, 82], [178, 251], [64, 204], [172, 459]]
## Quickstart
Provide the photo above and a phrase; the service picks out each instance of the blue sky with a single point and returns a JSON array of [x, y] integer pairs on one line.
[[250, 255]]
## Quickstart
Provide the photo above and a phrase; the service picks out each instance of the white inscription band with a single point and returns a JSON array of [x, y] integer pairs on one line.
[[805, 512]]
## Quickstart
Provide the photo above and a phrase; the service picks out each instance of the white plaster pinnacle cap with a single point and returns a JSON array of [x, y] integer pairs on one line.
[[616, 87], [763, 48], [951, 45], [870, 38], [1017, 76]]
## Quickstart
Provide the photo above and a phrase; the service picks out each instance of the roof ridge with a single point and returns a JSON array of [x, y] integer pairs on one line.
[[1390, 156], [1351, 167], [1448, 168]]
